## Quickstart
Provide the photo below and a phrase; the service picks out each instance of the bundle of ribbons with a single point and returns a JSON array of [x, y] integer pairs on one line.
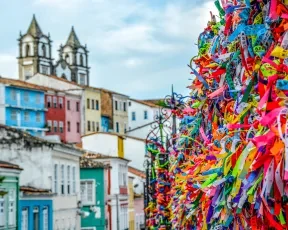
[[229, 167]]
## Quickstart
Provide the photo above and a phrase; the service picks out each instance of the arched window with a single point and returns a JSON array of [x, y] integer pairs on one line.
[[44, 50], [27, 50], [64, 76], [81, 59], [67, 58]]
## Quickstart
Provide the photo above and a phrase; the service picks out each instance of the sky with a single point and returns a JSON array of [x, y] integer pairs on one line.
[[136, 47]]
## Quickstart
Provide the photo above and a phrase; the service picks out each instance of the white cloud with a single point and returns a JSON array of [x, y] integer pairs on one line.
[[132, 62], [8, 64]]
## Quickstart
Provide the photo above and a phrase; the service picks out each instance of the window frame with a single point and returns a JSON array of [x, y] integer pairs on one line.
[[49, 100], [12, 214], [96, 104], [55, 178], [68, 105], [38, 117], [3, 214], [73, 179], [60, 101], [55, 104], [13, 94], [93, 126], [77, 106], [78, 127], [26, 116], [61, 126], [86, 202], [26, 96], [68, 126], [26, 211], [124, 107], [117, 127], [55, 126], [45, 218], [62, 180], [145, 115], [88, 103], [133, 115], [116, 104], [68, 179], [13, 112], [88, 126]]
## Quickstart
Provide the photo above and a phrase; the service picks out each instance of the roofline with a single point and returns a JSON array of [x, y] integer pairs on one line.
[[145, 103], [114, 134]]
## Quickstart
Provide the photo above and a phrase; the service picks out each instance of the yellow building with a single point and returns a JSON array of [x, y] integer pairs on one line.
[[92, 114], [131, 204]]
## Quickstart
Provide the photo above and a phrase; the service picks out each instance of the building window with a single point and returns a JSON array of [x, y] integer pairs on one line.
[[62, 179], [13, 94], [12, 207], [38, 117], [45, 218], [92, 104], [26, 96], [2, 212], [38, 98], [68, 105], [82, 79], [44, 69], [56, 178], [68, 180], [24, 219], [78, 127], [13, 115], [145, 115], [88, 192], [27, 50], [88, 126], [124, 106], [77, 106], [97, 104], [74, 180], [93, 126], [61, 126], [81, 59], [117, 127], [133, 116], [44, 50], [116, 105], [129, 103], [68, 126], [49, 125], [36, 218], [55, 102], [88, 103], [48, 101], [55, 126], [122, 176], [67, 58], [97, 126], [26, 116], [60, 102]]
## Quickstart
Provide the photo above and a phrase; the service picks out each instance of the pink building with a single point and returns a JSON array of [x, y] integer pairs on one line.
[[73, 119]]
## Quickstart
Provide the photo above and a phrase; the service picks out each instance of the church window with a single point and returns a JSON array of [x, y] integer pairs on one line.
[[81, 59], [67, 58], [82, 79], [44, 69], [44, 50], [27, 50], [73, 77]]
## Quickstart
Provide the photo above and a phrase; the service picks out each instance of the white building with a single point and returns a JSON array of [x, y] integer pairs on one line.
[[142, 116], [47, 166], [114, 144]]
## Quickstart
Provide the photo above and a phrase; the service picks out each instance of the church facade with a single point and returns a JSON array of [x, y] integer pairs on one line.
[[35, 56]]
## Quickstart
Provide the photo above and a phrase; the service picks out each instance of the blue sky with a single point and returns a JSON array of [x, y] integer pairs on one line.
[[136, 47]]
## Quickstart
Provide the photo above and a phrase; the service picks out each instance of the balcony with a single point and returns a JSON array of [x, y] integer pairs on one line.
[[18, 106]]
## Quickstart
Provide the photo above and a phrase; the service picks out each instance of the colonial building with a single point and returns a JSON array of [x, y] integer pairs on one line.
[[114, 111], [94, 186], [53, 170], [35, 52], [22, 106], [9, 195]]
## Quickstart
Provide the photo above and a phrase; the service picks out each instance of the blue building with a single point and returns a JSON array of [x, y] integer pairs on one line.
[[22, 106], [105, 123], [35, 209]]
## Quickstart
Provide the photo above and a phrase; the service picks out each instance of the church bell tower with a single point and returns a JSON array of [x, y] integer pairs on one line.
[[34, 52]]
